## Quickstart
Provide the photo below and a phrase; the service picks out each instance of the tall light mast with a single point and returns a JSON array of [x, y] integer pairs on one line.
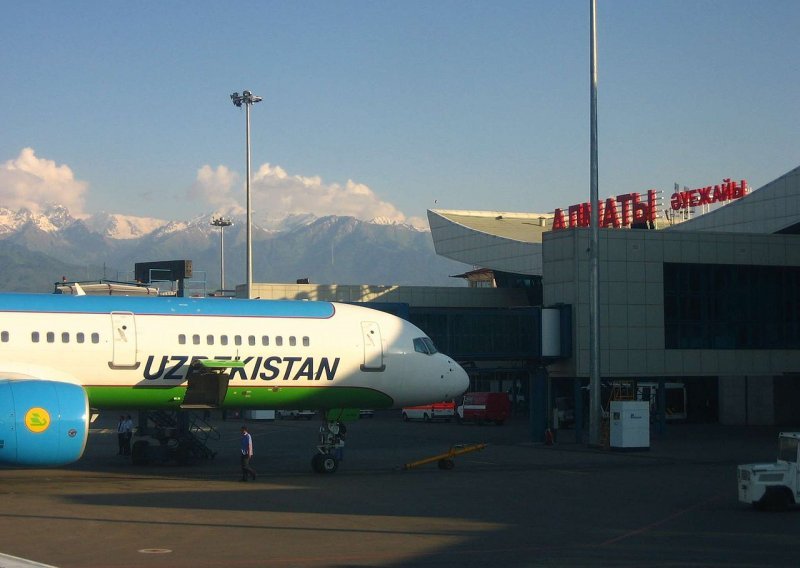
[[248, 99], [221, 222], [595, 408]]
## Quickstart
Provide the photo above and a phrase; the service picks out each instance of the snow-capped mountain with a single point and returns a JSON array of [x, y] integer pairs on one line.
[[116, 226], [327, 250], [50, 220]]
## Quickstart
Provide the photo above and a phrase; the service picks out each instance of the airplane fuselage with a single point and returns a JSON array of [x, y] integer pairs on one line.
[[62, 355], [136, 352]]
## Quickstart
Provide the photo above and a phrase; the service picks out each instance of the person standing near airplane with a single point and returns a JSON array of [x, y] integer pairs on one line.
[[247, 454], [128, 429], [121, 435]]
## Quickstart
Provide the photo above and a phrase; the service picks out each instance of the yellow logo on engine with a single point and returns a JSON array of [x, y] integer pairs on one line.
[[37, 420]]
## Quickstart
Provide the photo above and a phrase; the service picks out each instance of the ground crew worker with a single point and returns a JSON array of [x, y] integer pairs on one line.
[[247, 454]]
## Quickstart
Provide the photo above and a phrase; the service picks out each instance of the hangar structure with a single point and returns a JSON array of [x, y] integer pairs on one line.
[[713, 300]]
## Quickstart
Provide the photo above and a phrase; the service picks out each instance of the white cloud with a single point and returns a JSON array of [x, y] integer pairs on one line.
[[276, 194], [217, 187], [35, 183]]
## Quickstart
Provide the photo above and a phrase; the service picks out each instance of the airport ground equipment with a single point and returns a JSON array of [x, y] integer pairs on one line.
[[207, 382], [445, 460], [428, 412], [180, 436], [177, 437], [483, 407], [629, 425], [773, 485]]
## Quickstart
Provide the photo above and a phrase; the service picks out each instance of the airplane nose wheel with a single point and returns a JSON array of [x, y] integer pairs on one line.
[[324, 463], [331, 448]]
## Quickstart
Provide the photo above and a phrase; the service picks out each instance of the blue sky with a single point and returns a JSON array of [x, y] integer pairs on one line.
[[377, 108]]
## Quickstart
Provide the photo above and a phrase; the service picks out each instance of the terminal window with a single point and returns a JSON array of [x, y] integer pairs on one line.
[[726, 306]]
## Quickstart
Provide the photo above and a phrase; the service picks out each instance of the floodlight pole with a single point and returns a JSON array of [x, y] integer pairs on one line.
[[248, 99], [221, 222], [595, 407]]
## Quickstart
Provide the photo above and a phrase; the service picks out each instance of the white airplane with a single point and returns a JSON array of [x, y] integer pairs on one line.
[[62, 355]]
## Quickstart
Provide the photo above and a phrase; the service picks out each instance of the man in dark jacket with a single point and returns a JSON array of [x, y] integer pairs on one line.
[[247, 454]]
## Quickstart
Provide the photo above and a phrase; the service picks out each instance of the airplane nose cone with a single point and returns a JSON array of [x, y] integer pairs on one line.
[[462, 381], [458, 381]]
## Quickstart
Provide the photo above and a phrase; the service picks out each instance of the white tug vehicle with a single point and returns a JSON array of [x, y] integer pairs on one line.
[[773, 485]]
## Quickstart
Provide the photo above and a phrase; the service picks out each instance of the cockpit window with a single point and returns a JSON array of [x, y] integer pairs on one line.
[[424, 345], [431, 347]]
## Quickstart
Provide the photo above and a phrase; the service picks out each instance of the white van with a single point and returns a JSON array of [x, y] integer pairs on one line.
[[437, 411]]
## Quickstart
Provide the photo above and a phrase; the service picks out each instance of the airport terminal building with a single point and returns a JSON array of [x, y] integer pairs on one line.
[[708, 301], [712, 301]]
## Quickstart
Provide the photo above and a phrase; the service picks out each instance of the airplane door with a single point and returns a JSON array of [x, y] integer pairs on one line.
[[373, 347], [123, 329]]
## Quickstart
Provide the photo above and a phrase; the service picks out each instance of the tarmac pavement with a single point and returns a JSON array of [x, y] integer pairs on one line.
[[515, 503]]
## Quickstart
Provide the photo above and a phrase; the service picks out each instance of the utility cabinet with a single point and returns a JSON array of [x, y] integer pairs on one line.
[[630, 425]]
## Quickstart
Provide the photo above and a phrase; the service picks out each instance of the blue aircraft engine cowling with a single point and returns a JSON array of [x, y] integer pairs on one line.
[[42, 423]]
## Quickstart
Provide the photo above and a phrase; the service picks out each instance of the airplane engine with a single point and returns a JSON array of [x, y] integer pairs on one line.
[[42, 423]]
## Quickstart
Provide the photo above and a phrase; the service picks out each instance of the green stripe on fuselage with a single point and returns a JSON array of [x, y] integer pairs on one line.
[[221, 363], [153, 398]]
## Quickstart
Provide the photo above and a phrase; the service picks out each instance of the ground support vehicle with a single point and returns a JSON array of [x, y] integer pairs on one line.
[[429, 412], [773, 485], [482, 407]]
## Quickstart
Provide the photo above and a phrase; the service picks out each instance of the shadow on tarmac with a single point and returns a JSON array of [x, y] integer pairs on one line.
[[514, 504]]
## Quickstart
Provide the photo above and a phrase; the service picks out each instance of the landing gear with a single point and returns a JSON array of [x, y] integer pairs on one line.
[[324, 463], [330, 447]]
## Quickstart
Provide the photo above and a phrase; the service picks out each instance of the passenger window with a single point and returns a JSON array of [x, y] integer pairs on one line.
[[64, 337], [181, 339], [306, 342], [264, 340], [279, 341], [80, 337], [51, 337], [4, 337], [223, 339], [292, 341], [209, 340], [195, 339], [237, 339], [251, 339], [35, 336], [95, 337]]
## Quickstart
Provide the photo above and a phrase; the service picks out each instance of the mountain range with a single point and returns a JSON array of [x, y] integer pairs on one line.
[[39, 248]]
